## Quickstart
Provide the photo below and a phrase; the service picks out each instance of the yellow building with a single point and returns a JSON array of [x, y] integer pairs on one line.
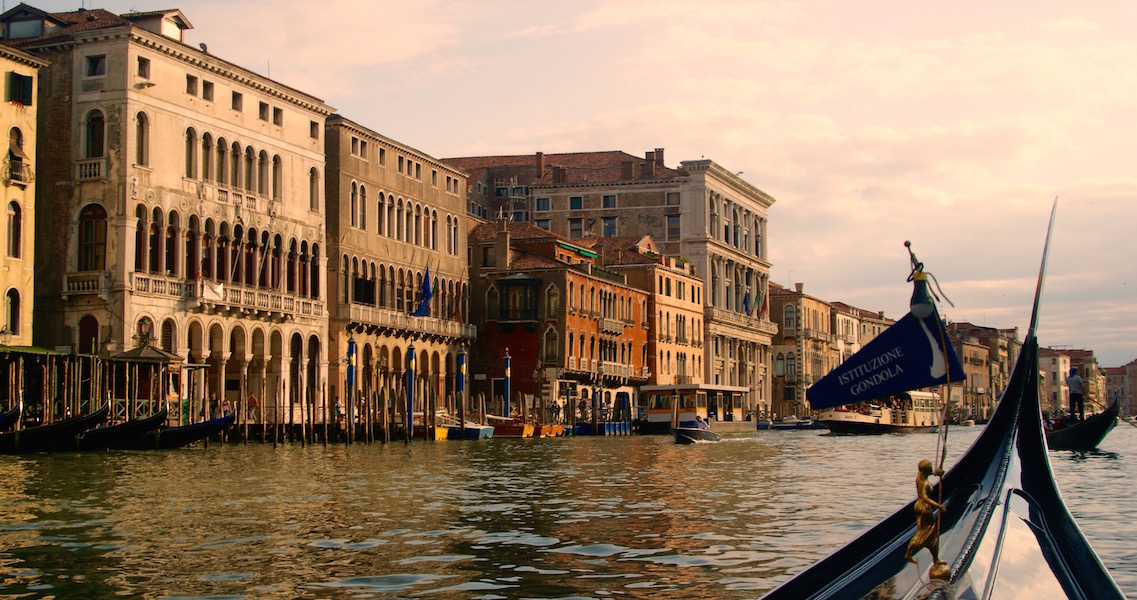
[[18, 117]]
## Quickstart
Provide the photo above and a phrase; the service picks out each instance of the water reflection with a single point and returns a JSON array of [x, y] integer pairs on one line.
[[634, 516]]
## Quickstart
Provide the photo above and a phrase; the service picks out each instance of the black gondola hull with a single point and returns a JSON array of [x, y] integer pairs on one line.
[[176, 437], [101, 438], [1084, 435], [58, 436]]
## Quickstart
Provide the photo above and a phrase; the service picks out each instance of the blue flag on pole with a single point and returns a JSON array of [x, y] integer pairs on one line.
[[746, 303], [914, 353], [423, 309]]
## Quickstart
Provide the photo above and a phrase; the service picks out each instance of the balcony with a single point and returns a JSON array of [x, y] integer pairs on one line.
[[214, 296], [86, 282], [398, 323], [91, 169], [611, 326], [153, 284], [715, 314]]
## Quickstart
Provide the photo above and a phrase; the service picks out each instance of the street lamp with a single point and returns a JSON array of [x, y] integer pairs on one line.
[[540, 398], [598, 400]]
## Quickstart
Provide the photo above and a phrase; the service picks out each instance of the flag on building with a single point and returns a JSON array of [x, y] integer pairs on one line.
[[746, 303], [427, 293]]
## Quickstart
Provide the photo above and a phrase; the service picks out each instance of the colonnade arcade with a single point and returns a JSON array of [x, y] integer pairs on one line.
[[231, 254], [381, 376]]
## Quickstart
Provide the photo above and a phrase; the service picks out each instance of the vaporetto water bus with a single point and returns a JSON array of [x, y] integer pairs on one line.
[[720, 405], [907, 412]]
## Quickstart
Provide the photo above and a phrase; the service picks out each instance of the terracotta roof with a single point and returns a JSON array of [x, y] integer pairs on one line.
[[518, 231], [619, 250], [579, 167], [74, 22], [527, 261]]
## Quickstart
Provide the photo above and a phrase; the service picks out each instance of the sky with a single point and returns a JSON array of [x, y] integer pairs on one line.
[[952, 125]]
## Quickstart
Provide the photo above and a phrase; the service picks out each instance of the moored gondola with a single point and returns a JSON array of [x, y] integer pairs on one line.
[[9, 418], [995, 525], [1086, 434], [101, 438], [61, 435], [168, 438]]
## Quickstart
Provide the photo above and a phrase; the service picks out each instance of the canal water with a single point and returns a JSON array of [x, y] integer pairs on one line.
[[630, 517]]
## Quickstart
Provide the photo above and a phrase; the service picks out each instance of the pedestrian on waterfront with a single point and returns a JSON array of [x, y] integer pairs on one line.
[[225, 408], [254, 408], [1077, 395], [212, 405]]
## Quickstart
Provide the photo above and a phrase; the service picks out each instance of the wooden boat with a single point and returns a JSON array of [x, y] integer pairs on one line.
[[9, 418], [510, 428], [905, 412], [1003, 525], [548, 430], [61, 435], [786, 422], [474, 431], [101, 438], [167, 438], [1084, 435], [694, 435]]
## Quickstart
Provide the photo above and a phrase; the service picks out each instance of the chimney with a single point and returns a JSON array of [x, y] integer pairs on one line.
[[559, 174], [659, 157], [798, 287], [649, 156], [627, 170], [648, 171], [540, 164]]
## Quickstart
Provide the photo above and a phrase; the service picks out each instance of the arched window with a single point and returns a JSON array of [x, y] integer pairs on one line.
[[313, 190], [491, 304], [92, 238], [791, 364], [168, 336], [12, 308], [363, 208], [206, 157], [222, 161], [552, 346], [15, 229], [354, 204], [142, 140], [94, 130], [16, 154], [788, 316], [235, 166], [262, 173], [191, 152], [277, 178], [780, 365], [250, 170], [381, 209], [144, 332]]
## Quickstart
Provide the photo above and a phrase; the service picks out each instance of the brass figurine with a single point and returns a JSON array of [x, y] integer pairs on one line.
[[927, 525]]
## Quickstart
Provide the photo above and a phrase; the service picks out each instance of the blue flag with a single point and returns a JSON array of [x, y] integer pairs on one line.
[[746, 303], [912, 354], [423, 309]]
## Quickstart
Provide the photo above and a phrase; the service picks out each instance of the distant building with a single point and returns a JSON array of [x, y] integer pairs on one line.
[[803, 350], [675, 306], [575, 330], [699, 212], [1054, 367], [393, 214]]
